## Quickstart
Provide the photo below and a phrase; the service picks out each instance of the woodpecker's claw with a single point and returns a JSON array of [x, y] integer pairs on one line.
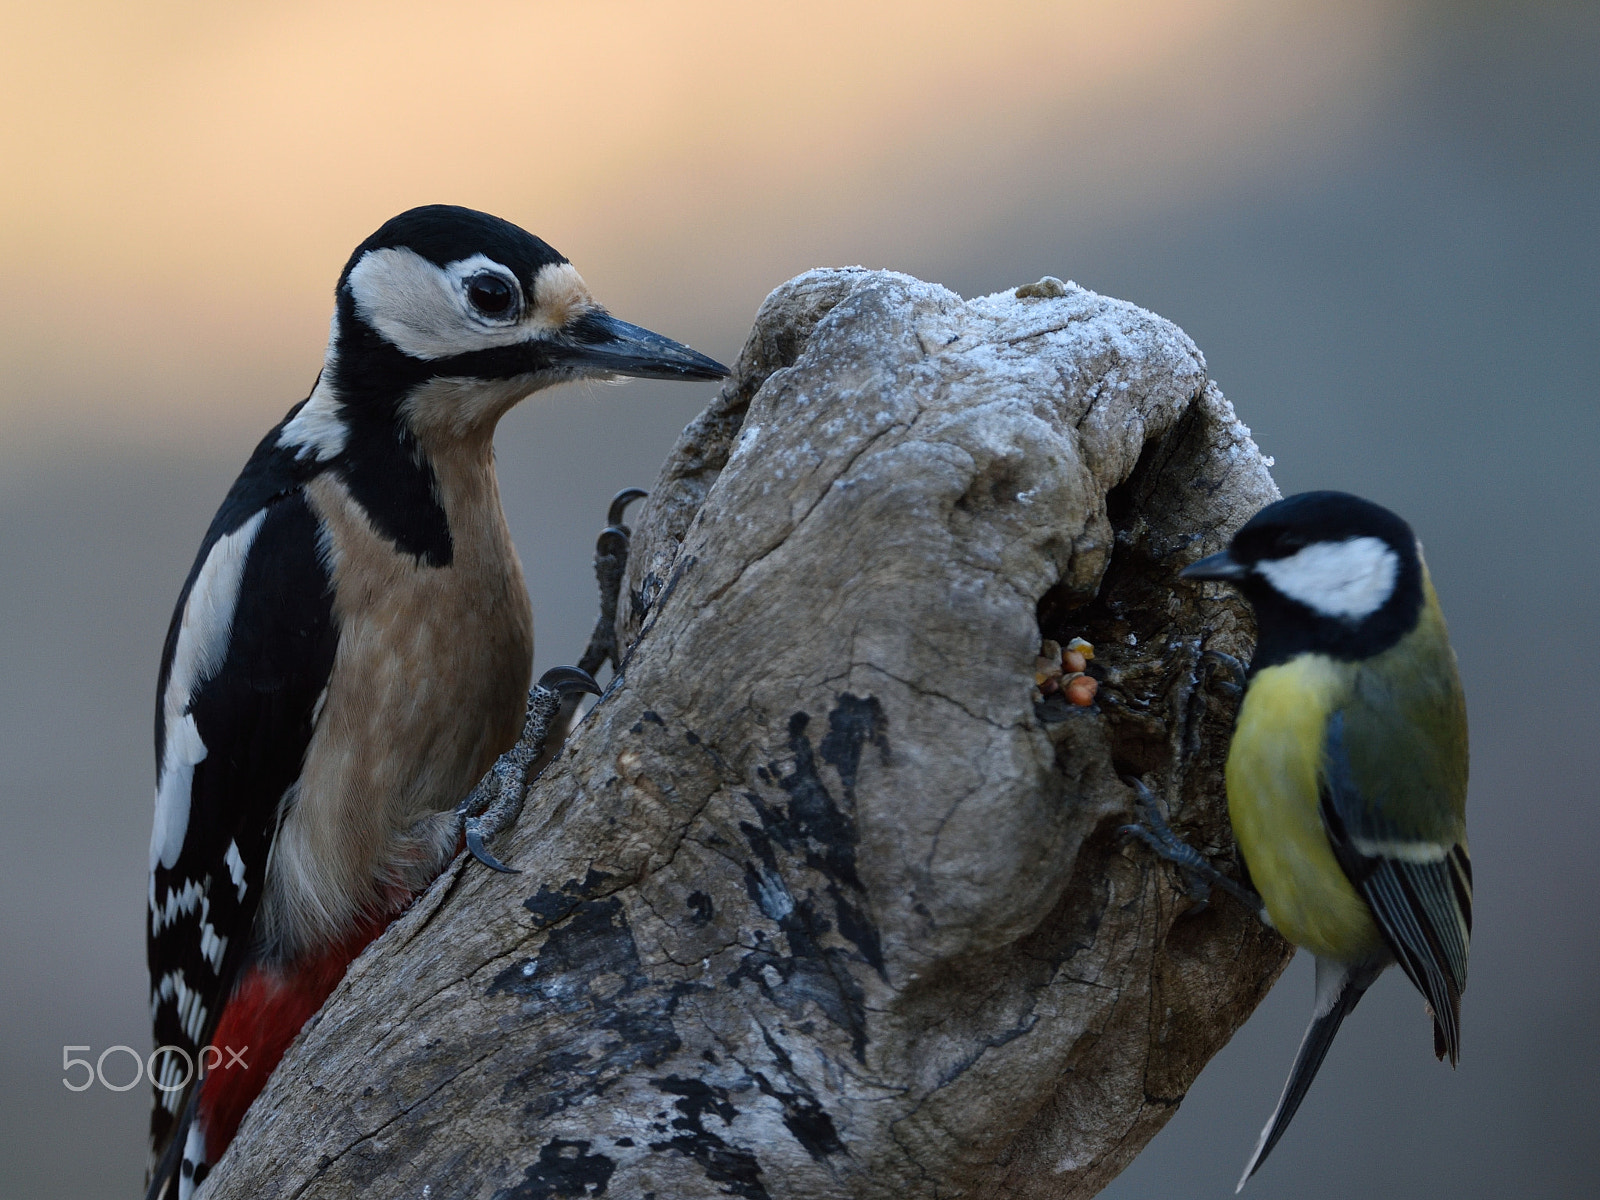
[[474, 837], [569, 681], [496, 803], [612, 543], [619, 506], [610, 565], [1198, 874]]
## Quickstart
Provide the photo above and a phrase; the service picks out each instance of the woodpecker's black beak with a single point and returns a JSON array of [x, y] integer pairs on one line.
[[1222, 566], [604, 345]]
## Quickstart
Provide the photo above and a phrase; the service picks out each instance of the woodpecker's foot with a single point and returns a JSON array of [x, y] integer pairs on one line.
[[495, 804], [610, 565], [1199, 875]]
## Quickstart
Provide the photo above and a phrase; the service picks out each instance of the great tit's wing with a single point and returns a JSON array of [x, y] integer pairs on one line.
[[1339, 987], [248, 653], [1418, 884]]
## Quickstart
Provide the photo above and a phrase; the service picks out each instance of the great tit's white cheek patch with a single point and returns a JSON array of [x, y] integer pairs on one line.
[[1351, 579], [559, 296]]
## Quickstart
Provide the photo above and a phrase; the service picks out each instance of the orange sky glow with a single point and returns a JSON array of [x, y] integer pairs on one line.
[[185, 178]]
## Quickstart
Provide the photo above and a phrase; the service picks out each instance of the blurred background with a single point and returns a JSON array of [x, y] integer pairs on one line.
[[1380, 220]]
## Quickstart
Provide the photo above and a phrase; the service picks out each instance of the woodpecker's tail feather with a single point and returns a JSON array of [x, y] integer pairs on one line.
[[163, 1182], [1339, 987]]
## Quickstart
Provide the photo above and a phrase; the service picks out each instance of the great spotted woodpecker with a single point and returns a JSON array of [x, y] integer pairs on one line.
[[351, 651]]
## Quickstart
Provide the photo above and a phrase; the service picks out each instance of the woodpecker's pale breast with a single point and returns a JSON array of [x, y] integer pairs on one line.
[[428, 688]]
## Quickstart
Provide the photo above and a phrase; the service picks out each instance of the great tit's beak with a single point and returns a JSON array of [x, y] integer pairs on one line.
[[603, 345], [1221, 566]]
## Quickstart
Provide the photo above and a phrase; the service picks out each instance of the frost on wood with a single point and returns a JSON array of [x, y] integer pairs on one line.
[[821, 900]]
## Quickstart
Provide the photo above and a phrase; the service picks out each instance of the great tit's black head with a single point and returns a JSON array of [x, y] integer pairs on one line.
[[1326, 572], [442, 293]]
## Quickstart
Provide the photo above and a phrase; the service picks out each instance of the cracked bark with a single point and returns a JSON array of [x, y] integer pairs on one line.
[[820, 901]]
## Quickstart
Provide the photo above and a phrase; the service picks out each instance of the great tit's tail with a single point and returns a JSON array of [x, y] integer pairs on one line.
[[1339, 987]]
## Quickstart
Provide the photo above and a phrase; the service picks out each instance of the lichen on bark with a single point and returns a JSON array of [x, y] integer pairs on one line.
[[822, 900]]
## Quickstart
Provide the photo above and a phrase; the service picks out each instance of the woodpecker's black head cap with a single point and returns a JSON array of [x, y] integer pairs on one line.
[[1326, 572], [447, 233]]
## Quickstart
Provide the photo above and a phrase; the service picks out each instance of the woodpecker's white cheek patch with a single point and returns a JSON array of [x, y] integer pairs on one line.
[[1351, 579], [202, 646], [412, 304], [422, 309]]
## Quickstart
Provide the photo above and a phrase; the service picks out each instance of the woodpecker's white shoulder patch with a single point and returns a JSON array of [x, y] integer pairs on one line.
[[202, 646], [1350, 579], [422, 309]]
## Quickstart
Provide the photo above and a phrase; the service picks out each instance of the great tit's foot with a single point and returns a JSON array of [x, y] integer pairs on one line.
[[1199, 876], [1215, 662], [1214, 671], [495, 804], [610, 565]]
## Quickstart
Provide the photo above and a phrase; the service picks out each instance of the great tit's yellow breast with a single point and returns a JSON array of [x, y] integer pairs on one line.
[[1273, 765]]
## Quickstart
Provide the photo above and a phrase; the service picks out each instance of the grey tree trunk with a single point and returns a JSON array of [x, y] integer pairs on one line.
[[823, 900]]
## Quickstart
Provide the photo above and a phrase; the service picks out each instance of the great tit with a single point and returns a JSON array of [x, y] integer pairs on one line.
[[1347, 773]]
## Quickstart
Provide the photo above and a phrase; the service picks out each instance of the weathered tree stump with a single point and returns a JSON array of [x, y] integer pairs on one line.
[[822, 900]]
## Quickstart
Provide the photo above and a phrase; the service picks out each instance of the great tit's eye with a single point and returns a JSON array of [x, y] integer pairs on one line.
[[490, 294]]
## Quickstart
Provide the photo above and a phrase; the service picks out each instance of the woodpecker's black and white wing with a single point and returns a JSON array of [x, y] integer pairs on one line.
[[246, 659]]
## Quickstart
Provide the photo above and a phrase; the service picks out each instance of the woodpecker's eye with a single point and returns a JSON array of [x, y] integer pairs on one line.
[[491, 295]]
